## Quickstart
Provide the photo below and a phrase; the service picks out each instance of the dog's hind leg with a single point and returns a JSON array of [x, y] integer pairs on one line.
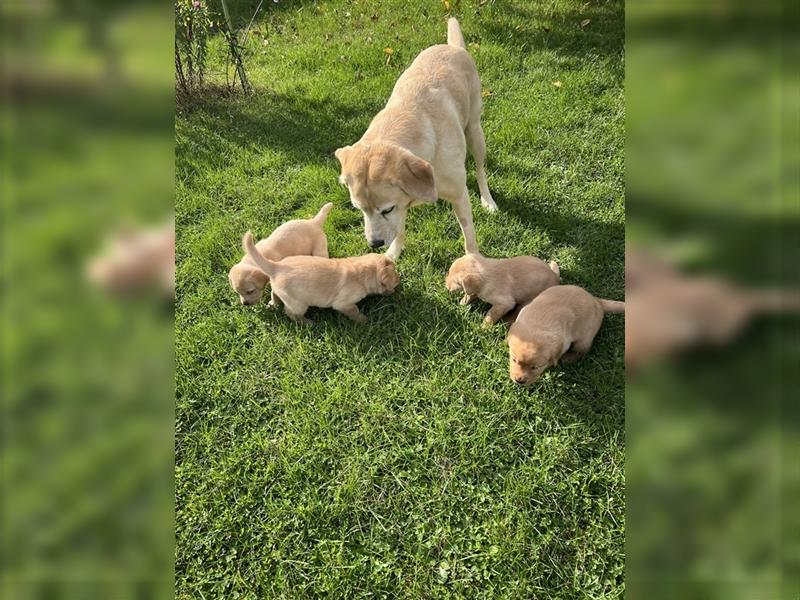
[[477, 147], [351, 312], [297, 312]]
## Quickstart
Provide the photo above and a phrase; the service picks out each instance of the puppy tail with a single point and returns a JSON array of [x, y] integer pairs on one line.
[[612, 306], [774, 301], [262, 263], [323, 213], [554, 268], [454, 37]]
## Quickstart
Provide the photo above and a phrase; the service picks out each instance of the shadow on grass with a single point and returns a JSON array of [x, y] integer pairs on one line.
[[537, 27], [306, 130]]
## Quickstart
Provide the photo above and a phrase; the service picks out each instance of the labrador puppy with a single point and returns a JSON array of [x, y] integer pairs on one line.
[[502, 282], [559, 324], [414, 150], [338, 283], [293, 238], [136, 259]]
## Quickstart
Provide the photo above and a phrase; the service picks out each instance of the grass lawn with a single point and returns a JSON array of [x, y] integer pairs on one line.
[[396, 459]]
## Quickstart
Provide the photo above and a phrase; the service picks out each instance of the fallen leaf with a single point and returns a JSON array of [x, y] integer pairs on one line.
[[475, 45], [486, 93], [557, 84], [446, 4], [585, 22], [388, 51]]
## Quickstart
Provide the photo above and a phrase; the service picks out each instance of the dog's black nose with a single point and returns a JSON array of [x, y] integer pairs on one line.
[[376, 243], [246, 302], [519, 380]]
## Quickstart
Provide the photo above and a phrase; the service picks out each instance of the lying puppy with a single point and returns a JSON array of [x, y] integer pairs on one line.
[[303, 281], [293, 238], [135, 259], [414, 150], [559, 324], [502, 282]]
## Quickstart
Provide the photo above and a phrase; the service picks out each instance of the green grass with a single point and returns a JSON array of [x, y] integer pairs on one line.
[[396, 459]]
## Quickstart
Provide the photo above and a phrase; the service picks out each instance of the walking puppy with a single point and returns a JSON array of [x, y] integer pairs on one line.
[[559, 324], [338, 283], [297, 237], [414, 150], [502, 282]]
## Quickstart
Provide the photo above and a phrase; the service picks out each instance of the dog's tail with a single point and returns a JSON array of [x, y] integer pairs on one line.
[[454, 37], [774, 301], [612, 306], [322, 215], [554, 268], [249, 246]]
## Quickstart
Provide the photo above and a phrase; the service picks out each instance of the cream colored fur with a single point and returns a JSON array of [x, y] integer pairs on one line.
[[559, 324], [339, 283], [502, 282], [293, 238], [415, 148]]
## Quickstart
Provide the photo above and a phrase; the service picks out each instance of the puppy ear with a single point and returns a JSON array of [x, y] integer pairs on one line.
[[261, 278], [471, 284], [387, 274], [416, 178], [342, 153]]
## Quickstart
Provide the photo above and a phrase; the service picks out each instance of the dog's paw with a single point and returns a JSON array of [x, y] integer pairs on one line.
[[465, 300], [394, 253], [489, 205]]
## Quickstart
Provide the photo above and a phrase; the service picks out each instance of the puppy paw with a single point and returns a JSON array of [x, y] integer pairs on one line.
[[465, 300]]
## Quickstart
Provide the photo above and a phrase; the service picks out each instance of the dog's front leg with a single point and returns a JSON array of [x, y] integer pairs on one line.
[[399, 242], [464, 215]]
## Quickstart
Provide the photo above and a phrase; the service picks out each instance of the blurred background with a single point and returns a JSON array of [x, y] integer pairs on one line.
[[713, 193], [712, 282], [87, 370]]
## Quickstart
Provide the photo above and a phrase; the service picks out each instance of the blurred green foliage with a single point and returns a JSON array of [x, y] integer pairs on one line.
[[712, 467], [87, 379]]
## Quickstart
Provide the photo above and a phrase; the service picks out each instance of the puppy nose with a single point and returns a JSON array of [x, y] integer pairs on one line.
[[246, 302], [376, 243], [519, 380]]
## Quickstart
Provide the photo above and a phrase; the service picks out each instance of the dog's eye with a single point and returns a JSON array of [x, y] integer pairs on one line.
[[387, 211]]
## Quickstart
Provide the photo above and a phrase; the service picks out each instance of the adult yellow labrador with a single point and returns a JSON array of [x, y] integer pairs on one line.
[[414, 150]]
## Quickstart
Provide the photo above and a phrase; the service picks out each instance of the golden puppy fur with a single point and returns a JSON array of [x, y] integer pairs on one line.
[[136, 259], [414, 150], [293, 238], [303, 281], [559, 324], [502, 282]]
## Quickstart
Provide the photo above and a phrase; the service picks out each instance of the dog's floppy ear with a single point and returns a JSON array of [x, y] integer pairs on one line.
[[415, 177], [342, 153], [471, 284]]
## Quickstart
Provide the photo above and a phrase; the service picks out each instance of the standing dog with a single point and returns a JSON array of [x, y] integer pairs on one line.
[[414, 150]]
